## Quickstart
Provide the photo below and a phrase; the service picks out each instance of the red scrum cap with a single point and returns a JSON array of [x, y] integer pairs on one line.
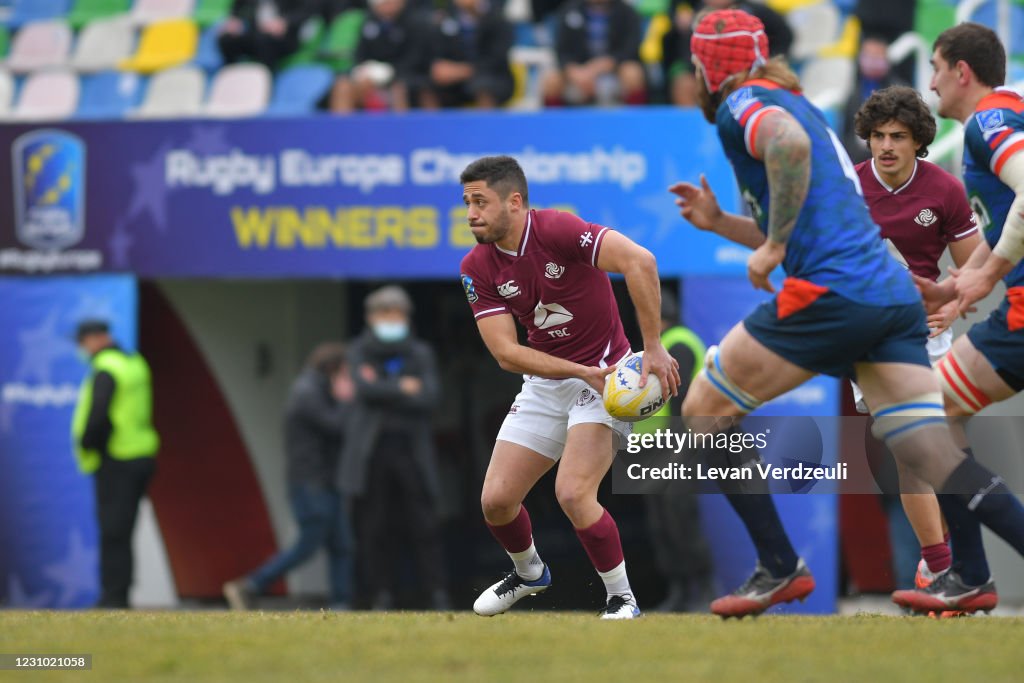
[[726, 42]]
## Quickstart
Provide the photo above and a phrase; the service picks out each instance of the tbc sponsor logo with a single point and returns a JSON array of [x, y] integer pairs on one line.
[[509, 289], [49, 189], [546, 316], [926, 217], [553, 271]]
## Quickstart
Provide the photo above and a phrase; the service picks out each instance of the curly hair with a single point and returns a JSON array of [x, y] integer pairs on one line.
[[897, 103]]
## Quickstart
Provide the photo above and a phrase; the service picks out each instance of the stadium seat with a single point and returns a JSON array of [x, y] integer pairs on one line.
[[103, 44], [339, 46], [310, 37], [5, 40], [163, 45], [109, 95], [827, 82], [814, 27], [298, 89], [6, 93], [47, 95], [85, 11], [173, 93], [208, 55], [149, 11], [27, 11], [39, 45], [239, 90], [209, 12]]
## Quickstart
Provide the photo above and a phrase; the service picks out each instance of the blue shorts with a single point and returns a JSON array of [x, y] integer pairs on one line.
[[1002, 347], [832, 333]]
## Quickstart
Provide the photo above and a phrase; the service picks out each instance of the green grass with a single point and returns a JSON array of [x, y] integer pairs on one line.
[[295, 647]]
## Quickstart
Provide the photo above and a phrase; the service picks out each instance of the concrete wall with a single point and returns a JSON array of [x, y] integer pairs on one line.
[[255, 336]]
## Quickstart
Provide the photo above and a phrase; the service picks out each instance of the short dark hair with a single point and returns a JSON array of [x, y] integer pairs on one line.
[[327, 358], [89, 327], [503, 174], [897, 103], [977, 45]]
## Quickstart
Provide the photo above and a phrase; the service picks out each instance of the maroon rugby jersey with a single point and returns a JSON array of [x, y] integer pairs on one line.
[[553, 286], [921, 216]]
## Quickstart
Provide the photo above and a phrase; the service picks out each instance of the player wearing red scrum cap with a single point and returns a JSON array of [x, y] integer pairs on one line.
[[845, 309]]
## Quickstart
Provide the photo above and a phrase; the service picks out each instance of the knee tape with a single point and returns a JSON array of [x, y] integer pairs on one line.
[[958, 385], [896, 421], [713, 371]]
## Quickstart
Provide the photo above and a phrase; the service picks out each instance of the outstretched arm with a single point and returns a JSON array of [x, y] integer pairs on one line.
[[700, 207], [619, 254], [786, 150]]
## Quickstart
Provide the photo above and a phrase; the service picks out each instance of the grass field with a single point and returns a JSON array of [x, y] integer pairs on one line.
[[295, 647]]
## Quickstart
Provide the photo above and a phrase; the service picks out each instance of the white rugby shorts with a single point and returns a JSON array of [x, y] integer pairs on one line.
[[545, 410]]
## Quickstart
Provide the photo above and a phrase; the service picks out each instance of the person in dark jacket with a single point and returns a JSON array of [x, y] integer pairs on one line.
[[598, 47], [314, 422], [391, 61], [470, 57], [114, 440], [389, 465], [265, 31]]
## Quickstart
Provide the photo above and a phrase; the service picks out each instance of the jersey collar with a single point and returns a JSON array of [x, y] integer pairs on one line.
[[884, 184], [522, 240]]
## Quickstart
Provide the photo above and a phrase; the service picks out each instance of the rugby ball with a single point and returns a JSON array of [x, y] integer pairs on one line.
[[624, 399]]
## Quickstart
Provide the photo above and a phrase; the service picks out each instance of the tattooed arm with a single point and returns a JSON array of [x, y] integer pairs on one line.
[[786, 150]]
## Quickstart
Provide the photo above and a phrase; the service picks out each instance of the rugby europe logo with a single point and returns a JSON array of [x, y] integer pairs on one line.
[[49, 189]]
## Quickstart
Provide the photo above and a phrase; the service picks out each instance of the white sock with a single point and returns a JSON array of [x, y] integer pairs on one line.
[[615, 581], [528, 563]]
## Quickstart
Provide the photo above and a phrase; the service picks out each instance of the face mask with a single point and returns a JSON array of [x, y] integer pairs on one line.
[[390, 331], [874, 67]]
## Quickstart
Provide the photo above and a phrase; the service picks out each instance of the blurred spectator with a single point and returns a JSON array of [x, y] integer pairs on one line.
[[873, 73], [314, 418], [265, 31], [389, 464], [676, 59], [392, 59], [888, 20], [470, 66], [598, 48], [680, 549], [114, 440]]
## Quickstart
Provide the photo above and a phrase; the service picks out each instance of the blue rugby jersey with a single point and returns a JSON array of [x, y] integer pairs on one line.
[[991, 137], [835, 243]]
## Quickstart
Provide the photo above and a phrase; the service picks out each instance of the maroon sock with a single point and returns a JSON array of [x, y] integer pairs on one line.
[[601, 541], [517, 535], [937, 557]]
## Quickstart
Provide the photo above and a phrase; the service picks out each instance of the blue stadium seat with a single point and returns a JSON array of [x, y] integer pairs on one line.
[[24, 11], [109, 95], [208, 56], [298, 89]]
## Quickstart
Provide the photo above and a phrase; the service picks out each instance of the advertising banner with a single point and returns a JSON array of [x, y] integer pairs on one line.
[[48, 537], [356, 196]]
